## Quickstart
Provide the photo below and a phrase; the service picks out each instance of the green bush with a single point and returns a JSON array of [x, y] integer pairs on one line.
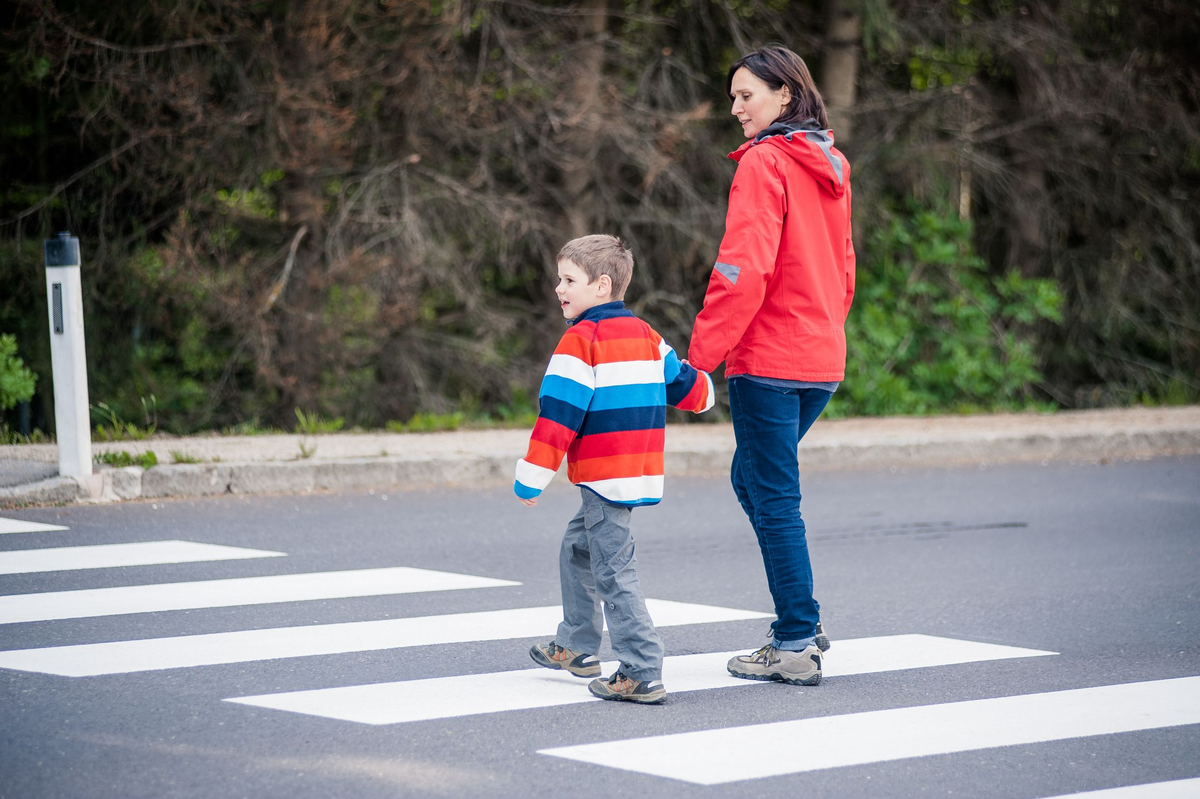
[[932, 331], [16, 380]]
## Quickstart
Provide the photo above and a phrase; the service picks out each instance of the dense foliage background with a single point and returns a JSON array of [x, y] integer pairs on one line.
[[351, 208]]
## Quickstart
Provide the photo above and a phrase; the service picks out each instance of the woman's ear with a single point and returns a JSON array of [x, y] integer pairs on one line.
[[786, 96]]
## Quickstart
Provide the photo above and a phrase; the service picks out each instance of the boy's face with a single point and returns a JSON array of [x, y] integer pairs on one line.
[[576, 294]]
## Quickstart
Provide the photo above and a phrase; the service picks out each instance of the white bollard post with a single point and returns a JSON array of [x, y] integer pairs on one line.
[[64, 298]]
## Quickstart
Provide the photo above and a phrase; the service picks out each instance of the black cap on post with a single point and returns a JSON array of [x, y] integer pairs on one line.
[[62, 250]]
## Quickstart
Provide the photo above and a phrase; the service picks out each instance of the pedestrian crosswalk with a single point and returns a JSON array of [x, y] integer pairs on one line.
[[1173, 789], [707, 756], [109, 556], [474, 694], [22, 526], [712, 757], [53, 605], [153, 654]]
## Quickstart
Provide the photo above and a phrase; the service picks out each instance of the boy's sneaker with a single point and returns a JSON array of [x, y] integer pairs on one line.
[[618, 686], [769, 663], [553, 656]]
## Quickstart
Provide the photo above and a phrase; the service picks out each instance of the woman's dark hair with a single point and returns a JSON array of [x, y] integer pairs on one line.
[[778, 66]]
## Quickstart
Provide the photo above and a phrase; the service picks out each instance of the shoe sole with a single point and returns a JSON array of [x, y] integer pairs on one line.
[[546, 663], [638, 699], [778, 676], [822, 642]]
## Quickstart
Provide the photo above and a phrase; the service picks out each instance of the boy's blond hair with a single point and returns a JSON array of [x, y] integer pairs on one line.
[[601, 254]]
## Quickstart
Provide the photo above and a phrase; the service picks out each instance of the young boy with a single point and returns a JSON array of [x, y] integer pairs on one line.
[[603, 405]]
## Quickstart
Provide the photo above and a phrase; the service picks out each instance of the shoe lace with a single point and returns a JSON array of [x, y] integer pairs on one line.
[[619, 681], [766, 655]]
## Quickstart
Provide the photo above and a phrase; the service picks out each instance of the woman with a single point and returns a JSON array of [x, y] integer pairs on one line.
[[775, 313]]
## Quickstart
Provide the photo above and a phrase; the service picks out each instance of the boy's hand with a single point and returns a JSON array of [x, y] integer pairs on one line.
[[529, 503]]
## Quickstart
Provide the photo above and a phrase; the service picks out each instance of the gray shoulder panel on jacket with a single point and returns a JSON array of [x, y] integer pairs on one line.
[[826, 144], [728, 270]]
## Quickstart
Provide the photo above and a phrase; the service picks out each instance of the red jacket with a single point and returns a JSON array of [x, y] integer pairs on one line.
[[779, 294]]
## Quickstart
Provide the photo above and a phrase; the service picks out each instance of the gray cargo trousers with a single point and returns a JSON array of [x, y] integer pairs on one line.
[[598, 570]]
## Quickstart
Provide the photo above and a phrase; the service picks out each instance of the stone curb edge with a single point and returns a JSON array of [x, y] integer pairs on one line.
[[306, 476]]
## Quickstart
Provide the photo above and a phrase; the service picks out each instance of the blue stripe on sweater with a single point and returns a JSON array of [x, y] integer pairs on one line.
[[567, 390], [525, 492], [630, 396], [681, 377], [566, 414], [623, 419]]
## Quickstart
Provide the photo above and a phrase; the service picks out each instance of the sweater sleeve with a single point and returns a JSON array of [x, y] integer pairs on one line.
[[745, 261], [566, 392], [688, 389]]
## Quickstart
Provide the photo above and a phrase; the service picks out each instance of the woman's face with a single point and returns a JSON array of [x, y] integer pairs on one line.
[[755, 104]]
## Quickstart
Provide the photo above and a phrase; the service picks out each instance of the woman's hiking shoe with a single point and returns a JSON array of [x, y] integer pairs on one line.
[[822, 639], [553, 656], [780, 665], [618, 686]]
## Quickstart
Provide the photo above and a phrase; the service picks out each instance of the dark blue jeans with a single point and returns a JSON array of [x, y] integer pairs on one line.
[[769, 423]]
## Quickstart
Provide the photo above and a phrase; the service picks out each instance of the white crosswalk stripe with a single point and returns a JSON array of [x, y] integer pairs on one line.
[[713, 757], [1175, 789], [88, 603], [108, 556], [447, 697], [21, 526], [123, 657]]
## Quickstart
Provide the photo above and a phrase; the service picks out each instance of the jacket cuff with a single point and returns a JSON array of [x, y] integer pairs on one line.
[[525, 492]]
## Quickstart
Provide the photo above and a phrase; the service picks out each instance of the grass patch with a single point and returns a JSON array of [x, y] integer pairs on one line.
[[311, 424], [115, 428], [177, 456], [38, 436], [122, 459]]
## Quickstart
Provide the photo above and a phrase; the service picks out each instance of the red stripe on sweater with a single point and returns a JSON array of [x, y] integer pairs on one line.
[[697, 397], [625, 349], [552, 434], [621, 327], [615, 466], [600, 445], [576, 342]]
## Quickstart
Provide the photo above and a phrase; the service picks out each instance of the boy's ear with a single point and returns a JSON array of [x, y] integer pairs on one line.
[[604, 285]]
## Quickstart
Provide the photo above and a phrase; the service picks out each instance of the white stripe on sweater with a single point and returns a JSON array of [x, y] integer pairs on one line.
[[532, 475], [572, 368], [712, 395], [626, 373], [628, 489]]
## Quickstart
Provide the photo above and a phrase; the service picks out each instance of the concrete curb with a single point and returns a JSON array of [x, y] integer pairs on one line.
[[53, 491], [488, 458]]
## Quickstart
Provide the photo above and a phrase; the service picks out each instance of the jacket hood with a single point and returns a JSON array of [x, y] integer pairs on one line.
[[808, 145]]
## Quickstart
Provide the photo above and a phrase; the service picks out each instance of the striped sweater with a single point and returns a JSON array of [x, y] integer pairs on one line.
[[603, 405]]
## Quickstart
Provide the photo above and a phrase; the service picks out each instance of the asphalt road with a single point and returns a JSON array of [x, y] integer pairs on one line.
[[1098, 564]]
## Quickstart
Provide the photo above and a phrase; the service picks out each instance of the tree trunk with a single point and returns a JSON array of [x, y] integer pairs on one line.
[[583, 124], [839, 72], [1027, 207]]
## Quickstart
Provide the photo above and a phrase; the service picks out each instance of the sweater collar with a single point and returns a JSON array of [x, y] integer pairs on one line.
[[597, 312]]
